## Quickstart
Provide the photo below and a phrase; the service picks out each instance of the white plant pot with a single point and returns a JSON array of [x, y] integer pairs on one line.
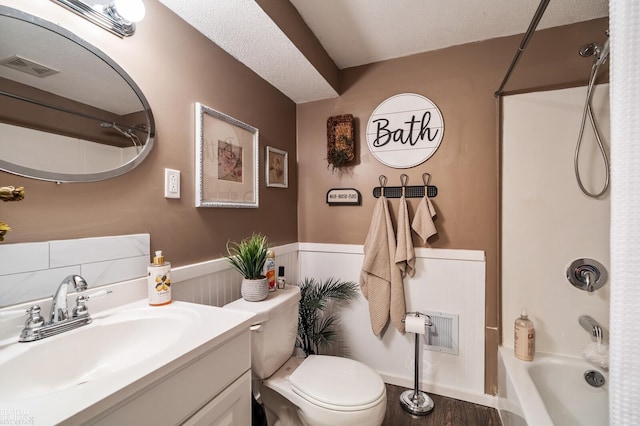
[[254, 290]]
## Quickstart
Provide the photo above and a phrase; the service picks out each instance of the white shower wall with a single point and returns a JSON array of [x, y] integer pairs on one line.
[[546, 220]]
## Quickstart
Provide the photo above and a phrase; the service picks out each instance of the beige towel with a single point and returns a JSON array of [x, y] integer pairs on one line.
[[405, 255], [423, 220], [380, 280]]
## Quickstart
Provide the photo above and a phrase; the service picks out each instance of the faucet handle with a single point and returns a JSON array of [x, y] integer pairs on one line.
[[35, 320], [81, 308]]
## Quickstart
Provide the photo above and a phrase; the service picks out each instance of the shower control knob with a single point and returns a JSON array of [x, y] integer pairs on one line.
[[587, 274]]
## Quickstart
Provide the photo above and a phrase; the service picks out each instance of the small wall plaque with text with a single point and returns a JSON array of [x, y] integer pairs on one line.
[[344, 197]]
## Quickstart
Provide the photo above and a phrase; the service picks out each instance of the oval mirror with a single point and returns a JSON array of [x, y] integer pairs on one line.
[[68, 112]]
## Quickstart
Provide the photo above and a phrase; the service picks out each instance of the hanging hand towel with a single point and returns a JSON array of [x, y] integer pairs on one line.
[[381, 283], [405, 254], [423, 221]]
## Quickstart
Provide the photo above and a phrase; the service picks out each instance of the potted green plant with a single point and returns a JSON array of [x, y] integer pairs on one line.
[[248, 257], [315, 324]]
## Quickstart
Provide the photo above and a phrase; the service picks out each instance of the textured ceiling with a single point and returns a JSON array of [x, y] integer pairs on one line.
[[357, 32]]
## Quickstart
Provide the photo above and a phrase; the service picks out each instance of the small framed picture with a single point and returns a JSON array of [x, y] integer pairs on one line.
[[277, 168], [226, 160]]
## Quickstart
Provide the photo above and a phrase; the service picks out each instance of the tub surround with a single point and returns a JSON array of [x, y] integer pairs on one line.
[[549, 391], [540, 134]]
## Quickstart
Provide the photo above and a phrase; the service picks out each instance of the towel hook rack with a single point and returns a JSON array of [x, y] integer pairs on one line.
[[417, 191], [383, 183], [403, 181]]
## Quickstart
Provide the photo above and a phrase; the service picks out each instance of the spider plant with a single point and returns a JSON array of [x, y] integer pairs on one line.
[[315, 325], [248, 256]]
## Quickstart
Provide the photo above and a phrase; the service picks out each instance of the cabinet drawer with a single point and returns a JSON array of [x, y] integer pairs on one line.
[[232, 407]]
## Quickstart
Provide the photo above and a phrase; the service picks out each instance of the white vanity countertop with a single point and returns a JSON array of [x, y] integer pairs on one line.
[[108, 378]]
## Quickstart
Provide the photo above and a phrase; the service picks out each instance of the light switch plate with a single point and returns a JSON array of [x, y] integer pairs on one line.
[[171, 183]]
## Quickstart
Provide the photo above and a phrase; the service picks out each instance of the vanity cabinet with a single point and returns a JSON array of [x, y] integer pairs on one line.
[[212, 389], [231, 407]]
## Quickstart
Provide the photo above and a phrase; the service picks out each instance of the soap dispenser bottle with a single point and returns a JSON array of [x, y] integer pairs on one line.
[[524, 342], [159, 281]]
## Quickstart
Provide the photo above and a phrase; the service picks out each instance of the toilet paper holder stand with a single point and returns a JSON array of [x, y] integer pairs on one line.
[[415, 401]]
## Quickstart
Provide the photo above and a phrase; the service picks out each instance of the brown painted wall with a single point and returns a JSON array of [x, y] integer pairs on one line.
[[461, 80], [174, 66]]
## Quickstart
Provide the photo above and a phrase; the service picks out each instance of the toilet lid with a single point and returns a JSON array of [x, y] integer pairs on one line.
[[335, 382]]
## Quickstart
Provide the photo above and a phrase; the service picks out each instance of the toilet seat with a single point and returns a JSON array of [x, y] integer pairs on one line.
[[336, 383]]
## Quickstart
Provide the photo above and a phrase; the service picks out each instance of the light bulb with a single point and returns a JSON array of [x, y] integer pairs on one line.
[[131, 10]]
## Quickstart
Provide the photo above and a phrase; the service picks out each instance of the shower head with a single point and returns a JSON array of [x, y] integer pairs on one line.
[[115, 126], [127, 133], [585, 51], [594, 49], [603, 54]]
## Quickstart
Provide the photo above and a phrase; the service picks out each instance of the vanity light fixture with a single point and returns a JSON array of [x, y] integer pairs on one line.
[[116, 16]]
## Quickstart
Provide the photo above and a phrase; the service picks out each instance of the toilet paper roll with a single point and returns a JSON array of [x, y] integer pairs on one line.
[[414, 324]]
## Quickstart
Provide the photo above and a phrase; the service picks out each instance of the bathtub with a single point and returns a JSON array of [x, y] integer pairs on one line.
[[550, 391]]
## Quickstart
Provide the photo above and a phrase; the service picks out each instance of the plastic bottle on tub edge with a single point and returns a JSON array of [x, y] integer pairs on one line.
[[524, 341]]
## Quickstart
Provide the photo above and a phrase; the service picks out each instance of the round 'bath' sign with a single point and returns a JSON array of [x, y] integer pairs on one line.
[[405, 130]]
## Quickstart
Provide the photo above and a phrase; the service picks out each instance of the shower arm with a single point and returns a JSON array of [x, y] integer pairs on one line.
[[523, 44]]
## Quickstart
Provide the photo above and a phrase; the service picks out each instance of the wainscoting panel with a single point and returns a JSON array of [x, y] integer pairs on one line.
[[214, 283], [449, 281]]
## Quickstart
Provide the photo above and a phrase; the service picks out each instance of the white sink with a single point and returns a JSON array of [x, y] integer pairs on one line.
[[111, 343], [64, 374]]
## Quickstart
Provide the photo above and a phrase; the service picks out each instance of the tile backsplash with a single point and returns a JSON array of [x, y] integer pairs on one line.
[[31, 271]]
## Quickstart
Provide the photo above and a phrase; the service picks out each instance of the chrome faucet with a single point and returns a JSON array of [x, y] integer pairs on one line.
[[59, 310], [593, 327], [36, 328]]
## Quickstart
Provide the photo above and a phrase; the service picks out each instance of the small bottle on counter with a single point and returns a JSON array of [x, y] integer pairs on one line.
[[524, 341], [159, 281], [280, 281], [270, 269]]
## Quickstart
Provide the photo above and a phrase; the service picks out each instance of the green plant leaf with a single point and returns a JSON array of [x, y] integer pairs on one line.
[[315, 329], [249, 255]]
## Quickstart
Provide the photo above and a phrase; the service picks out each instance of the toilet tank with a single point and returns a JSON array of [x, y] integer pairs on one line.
[[274, 329]]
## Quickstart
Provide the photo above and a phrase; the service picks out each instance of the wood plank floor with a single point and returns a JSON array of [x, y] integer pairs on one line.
[[446, 412]]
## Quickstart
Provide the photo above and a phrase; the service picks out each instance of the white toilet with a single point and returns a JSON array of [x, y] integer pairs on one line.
[[318, 390]]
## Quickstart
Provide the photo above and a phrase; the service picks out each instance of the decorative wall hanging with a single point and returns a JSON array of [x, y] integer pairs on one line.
[[340, 140], [276, 168], [226, 160], [405, 130]]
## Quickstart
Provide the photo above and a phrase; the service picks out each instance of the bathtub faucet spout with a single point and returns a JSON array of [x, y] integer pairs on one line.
[[593, 327]]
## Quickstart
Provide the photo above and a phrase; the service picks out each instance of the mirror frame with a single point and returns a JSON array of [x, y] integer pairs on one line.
[[89, 177]]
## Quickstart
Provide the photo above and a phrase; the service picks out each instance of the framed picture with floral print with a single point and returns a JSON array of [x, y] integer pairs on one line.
[[276, 168], [226, 160]]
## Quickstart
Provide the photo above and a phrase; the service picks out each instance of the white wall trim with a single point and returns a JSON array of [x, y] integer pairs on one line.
[[424, 252], [195, 270]]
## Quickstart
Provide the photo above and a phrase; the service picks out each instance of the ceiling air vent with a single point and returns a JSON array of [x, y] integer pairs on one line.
[[30, 67]]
